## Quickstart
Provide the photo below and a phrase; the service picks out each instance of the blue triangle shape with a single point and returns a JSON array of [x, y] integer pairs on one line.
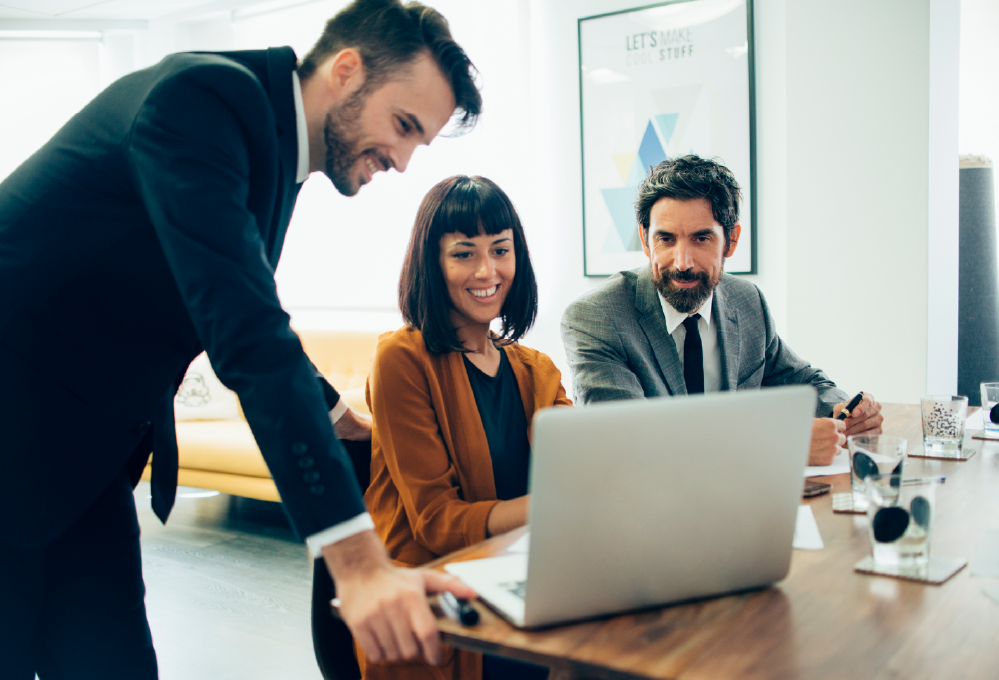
[[651, 151], [667, 125], [621, 205]]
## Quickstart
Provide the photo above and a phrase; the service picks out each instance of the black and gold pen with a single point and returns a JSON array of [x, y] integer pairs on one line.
[[854, 403]]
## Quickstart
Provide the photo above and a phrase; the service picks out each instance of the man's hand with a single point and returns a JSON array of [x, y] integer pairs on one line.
[[827, 437], [386, 606], [866, 418], [353, 426]]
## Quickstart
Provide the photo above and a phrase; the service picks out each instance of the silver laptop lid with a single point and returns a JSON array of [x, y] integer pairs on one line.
[[641, 503]]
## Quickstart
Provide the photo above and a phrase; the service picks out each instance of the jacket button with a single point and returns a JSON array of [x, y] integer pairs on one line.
[[299, 448], [317, 489], [306, 462], [311, 477], [145, 427]]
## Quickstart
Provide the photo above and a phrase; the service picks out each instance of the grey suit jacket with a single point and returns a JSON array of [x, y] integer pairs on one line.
[[618, 346]]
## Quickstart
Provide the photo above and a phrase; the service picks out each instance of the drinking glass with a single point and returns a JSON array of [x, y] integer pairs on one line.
[[990, 406], [943, 424], [873, 454], [900, 521]]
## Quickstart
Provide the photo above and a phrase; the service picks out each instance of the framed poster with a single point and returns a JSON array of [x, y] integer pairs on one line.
[[656, 82]]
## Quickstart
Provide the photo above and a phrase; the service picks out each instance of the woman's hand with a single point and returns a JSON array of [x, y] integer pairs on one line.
[[508, 515]]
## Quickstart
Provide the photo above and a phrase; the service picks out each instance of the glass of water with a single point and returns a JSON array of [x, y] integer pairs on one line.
[[990, 406], [943, 424], [900, 519], [874, 455]]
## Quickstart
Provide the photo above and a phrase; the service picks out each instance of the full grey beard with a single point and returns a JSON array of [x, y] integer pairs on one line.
[[685, 300]]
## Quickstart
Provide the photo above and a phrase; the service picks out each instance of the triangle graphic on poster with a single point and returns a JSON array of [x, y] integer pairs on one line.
[[624, 161], [679, 102]]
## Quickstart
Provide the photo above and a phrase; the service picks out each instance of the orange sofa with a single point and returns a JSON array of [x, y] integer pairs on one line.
[[216, 449]]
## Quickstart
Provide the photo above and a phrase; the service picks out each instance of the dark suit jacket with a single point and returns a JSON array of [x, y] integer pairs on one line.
[[147, 229], [618, 345]]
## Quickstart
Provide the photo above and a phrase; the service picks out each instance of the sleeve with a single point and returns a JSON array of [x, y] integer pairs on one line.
[[407, 432], [784, 367], [193, 147], [596, 356]]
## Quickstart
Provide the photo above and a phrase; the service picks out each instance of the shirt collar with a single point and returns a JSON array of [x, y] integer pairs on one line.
[[303, 131], [675, 318]]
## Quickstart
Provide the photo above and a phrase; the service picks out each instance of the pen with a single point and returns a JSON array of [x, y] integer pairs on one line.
[[923, 480], [457, 610], [854, 403]]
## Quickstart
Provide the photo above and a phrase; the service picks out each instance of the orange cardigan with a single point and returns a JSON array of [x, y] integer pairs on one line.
[[431, 473]]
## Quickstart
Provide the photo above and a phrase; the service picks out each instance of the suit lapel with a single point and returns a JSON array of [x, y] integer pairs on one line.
[[281, 62], [654, 324], [729, 340]]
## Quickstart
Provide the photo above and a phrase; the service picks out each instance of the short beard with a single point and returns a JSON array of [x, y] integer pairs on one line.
[[341, 134], [686, 300]]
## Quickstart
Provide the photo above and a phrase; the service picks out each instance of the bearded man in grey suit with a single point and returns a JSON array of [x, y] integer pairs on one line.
[[681, 325]]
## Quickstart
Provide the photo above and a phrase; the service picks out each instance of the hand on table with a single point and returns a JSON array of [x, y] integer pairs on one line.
[[353, 426], [386, 606], [866, 418], [827, 437]]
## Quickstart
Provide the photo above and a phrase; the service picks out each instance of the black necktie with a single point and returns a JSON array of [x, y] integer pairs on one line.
[[693, 356], [163, 484]]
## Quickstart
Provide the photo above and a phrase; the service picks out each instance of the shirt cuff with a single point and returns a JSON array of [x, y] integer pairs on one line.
[[338, 532], [336, 413]]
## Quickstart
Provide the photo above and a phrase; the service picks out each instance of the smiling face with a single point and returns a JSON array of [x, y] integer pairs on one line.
[[478, 272], [687, 250], [372, 132]]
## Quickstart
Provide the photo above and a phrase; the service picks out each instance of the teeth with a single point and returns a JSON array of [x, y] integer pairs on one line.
[[371, 165], [482, 292]]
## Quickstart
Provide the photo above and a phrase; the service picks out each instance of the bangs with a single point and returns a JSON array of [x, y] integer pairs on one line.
[[473, 206]]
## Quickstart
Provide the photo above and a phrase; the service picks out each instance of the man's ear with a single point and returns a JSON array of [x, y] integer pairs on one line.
[[733, 239], [346, 73], [642, 236]]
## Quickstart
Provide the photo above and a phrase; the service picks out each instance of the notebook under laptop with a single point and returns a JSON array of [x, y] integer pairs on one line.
[[643, 503]]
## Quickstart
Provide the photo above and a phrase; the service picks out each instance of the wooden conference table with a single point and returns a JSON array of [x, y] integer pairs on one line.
[[822, 621]]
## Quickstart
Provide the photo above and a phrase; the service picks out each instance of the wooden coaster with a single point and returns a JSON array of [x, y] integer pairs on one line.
[[938, 571], [965, 454], [843, 504]]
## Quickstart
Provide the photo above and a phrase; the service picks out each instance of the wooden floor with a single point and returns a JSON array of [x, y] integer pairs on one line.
[[227, 590]]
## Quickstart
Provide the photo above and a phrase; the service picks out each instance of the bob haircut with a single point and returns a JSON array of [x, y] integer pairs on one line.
[[472, 206]]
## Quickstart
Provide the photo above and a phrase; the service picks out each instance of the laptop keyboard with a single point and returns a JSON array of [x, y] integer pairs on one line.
[[515, 588]]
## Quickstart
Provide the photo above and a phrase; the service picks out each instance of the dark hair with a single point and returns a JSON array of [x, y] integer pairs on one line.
[[389, 37], [687, 178], [471, 206]]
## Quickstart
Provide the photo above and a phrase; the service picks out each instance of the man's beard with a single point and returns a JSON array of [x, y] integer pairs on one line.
[[341, 134], [686, 300]]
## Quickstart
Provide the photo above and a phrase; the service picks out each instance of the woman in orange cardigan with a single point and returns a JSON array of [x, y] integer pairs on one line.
[[452, 401]]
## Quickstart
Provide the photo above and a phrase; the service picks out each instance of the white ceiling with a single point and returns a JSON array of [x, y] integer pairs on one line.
[[116, 10]]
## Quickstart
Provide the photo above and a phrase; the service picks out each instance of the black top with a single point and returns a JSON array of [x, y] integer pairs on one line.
[[502, 412]]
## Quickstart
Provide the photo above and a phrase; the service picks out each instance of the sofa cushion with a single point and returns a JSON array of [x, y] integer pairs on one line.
[[202, 396], [220, 446]]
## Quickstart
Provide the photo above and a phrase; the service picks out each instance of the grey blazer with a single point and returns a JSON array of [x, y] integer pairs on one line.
[[618, 346]]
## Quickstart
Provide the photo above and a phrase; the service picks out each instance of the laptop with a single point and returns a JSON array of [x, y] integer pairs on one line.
[[645, 503]]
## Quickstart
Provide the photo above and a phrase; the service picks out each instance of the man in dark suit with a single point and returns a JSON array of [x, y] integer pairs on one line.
[[145, 231], [681, 325]]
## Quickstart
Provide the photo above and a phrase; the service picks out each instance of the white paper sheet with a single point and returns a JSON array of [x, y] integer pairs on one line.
[[521, 545], [974, 421], [806, 531], [840, 464]]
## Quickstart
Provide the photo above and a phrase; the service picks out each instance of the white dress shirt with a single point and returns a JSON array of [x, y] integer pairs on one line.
[[709, 339], [362, 522]]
